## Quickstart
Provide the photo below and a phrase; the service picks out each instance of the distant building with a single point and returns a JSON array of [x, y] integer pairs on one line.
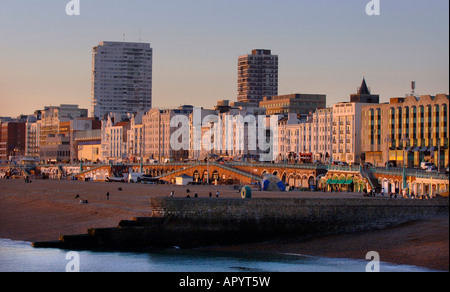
[[51, 119], [57, 149], [121, 78], [347, 132], [301, 104], [114, 138], [158, 134], [12, 140], [88, 145], [410, 130], [257, 76], [309, 138]]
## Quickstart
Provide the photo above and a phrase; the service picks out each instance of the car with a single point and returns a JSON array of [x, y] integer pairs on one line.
[[426, 165], [432, 169]]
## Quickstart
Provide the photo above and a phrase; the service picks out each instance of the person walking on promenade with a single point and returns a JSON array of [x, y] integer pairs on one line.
[[210, 194], [172, 193], [217, 194], [107, 196]]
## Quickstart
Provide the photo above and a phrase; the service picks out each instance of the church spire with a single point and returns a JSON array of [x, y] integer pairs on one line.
[[364, 89]]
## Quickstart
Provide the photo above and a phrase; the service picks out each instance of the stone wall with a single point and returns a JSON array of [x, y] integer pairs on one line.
[[298, 216], [201, 222]]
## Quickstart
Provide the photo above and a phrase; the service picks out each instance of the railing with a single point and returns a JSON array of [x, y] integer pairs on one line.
[[418, 173], [355, 168]]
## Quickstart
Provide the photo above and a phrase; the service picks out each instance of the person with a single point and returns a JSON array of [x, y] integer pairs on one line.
[[188, 196], [210, 194], [107, 196], [172, 194], [217, 194], [196, 195], [77, 196]]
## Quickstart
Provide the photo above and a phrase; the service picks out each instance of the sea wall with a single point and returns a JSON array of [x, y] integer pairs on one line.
[[207, 222]]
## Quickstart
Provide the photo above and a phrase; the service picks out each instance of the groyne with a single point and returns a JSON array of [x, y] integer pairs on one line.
[[190, 223]]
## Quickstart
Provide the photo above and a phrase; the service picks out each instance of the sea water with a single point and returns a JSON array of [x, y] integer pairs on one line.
[[17, 256]]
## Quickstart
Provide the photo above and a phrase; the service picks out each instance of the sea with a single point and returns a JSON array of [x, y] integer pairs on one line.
[[19, 256]]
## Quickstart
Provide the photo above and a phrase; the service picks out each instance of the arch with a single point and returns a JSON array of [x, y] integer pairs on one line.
[[216, 176], [305, 181], [205, 175], [312, 182], [196, 175], [283, 177], [291, 180]]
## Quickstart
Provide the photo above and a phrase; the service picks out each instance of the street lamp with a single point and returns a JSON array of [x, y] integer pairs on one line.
[[405, 140], [387, 140]]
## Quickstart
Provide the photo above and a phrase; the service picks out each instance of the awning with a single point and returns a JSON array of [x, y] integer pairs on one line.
[[348, 182], [408, 149], [424, 149], [416, 149], [341, 182], [432, 149], [329, 181], [333, 182]]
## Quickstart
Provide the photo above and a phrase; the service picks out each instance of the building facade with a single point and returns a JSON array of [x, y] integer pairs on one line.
[[51, 118], [347, 132], [301, 104], [158, 133], [407, 131], [257, 76], [12, 140], [121, 78]]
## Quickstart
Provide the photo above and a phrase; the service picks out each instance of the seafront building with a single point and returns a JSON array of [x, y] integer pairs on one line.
[[49, 125], [407, 131], [158, 133], [12, 140], [121, 78]]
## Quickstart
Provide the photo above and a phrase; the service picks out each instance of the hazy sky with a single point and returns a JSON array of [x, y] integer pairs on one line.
[[324, 46]]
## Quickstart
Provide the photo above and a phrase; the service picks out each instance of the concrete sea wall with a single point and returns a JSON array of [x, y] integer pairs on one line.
[[207, 222]]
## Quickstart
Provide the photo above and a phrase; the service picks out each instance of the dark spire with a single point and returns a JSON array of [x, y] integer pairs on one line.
[[364, 89]]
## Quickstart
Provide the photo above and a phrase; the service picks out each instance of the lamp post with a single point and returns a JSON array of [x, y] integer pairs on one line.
[[388, 140], [405, 183]]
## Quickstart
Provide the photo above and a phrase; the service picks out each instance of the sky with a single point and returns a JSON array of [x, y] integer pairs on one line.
[[324, 47]]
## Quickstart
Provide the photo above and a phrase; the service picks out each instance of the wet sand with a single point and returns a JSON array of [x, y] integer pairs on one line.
[[45, 210]]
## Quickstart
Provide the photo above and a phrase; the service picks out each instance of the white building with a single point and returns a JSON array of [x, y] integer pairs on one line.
[[114, 138], [136, 137], [347, 132], [31, 138], [158, 134], [121, 78]]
